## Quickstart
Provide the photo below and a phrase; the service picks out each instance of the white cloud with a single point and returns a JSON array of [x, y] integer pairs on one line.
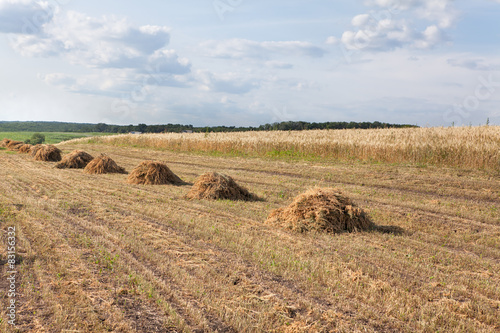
[[244, 48], [474, 63], [24, 16], [232, 83], [393, 24]]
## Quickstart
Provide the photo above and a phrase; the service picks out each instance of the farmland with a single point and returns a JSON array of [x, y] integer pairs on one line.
[[96, 254], [50, 137]]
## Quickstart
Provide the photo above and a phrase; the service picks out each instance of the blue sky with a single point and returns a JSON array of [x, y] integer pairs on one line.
[[246, 63]]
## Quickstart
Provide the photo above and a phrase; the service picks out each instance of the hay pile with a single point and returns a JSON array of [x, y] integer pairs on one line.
[[48, 153], [321, 209], [153, 173], [103, 164], [14, 145], [77, 159], [25, 149], [212, 185], [4, 143], [35, 148]]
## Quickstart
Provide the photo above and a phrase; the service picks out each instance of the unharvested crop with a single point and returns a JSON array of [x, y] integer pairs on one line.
[[48, 153], [214, 186], [103, 164], [321, 209], [153, 173], [77, 159], [464, 147]]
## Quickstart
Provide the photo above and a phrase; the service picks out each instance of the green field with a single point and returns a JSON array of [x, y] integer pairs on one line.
[[50, 137]]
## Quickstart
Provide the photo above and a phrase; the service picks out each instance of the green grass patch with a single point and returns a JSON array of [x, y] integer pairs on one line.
[[50, 137]]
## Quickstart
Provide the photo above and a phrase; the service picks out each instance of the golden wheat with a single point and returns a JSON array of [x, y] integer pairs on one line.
[[466, 147]]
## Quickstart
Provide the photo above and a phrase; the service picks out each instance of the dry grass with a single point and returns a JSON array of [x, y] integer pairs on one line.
[[215, 186], [464, 147], [103, 164], [14, 145], [321, 209], [25, 149], [47, 153], [101, 255], [35, 149], [77, 159], [153, 173], [4, 143]]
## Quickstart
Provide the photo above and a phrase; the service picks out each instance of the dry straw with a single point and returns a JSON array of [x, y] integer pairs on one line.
[[35, 148], [77, 159], [153, 173], [14, 145], [214, 186], [321, 209], [103, 164], [48, 153], [4, 143], [25, 149]]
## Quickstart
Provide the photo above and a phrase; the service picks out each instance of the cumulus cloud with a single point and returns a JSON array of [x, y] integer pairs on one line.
[[24, 16], [243, 48], [393, 24]]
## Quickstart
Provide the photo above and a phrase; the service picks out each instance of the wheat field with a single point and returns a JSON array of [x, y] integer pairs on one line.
[[465, 147], [96, 254]]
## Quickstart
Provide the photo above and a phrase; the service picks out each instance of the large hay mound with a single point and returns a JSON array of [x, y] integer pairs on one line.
[[153, 173], [14, 145], [103, 164], [35, 149], [77, 159], [321, 209], [4, 143], [48, 153], [214, 186], [25, 149]]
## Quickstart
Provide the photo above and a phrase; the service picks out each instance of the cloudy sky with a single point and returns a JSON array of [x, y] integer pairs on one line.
[[250, 62]]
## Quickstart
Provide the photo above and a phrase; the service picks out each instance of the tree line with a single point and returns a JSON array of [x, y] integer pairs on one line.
[[46, 126]]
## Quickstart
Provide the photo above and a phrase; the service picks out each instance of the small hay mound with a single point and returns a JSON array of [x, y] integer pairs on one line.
[[77, 159], [153, 173], [214, 186], [321, 209], [4, 143], [35, 148], [25, 149], [48, 153], [103, 164], [14, 145]]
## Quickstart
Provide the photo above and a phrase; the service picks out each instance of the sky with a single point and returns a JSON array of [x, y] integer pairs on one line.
[[247, 63]]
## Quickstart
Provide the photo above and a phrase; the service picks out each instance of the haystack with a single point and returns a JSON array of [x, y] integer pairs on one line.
[[212, 185], [25, 149], [4, 143], [14, 145], [77, 159], [103, 164], [48, 153], [153, 173], [35, 149], [321, 209]]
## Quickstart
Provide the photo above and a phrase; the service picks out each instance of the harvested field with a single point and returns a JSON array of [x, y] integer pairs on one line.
[[215, 186], [47, 153], [96, 254], [77, 159], [153, 173], [103, 164]]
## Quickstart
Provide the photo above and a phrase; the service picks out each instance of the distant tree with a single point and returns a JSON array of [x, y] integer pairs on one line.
[[36, 138]]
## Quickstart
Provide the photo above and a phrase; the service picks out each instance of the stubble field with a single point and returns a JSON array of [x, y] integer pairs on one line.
[[96, 254]]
